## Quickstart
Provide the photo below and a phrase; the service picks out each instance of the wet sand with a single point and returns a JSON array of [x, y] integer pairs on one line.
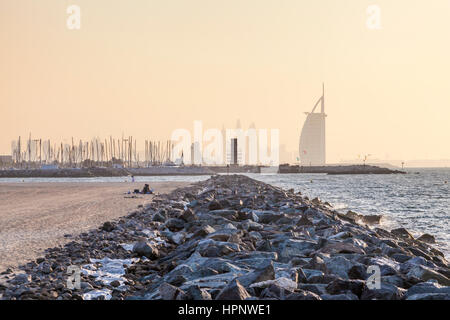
[[36, 216]]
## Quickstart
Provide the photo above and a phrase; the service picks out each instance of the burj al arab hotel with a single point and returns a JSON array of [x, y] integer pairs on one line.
[[312, 138]]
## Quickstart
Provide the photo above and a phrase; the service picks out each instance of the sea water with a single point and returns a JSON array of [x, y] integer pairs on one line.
[[418, 201]]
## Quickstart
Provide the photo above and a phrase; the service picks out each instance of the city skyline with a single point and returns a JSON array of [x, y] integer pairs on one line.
[[148, 69]]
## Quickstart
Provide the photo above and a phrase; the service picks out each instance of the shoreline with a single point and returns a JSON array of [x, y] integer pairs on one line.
[[233, 237], [190, 171]]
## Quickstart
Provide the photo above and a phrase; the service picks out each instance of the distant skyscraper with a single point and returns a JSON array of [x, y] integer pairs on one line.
[[312, 138], [234, 151]]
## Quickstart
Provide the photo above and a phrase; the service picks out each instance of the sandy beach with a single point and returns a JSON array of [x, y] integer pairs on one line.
[[36, 216]]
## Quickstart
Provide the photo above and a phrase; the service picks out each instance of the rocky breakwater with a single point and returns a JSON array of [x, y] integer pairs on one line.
[[232, 237]]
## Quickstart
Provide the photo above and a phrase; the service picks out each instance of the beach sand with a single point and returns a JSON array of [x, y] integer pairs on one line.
[[36, 216]]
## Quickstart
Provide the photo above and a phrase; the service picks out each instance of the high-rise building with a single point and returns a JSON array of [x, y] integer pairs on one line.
[[312, 138], [234, 151]]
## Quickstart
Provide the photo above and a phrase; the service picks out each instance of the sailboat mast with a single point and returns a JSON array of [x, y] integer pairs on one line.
[[322, 109]]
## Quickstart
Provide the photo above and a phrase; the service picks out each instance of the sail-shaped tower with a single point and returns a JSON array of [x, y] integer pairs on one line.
[[312, 138]]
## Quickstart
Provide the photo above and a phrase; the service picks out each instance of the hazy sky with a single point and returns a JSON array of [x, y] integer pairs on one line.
[[145, 68]]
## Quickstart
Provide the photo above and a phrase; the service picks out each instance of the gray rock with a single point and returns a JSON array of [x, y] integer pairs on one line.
[[317, 288], [225, 213], [233, 291], [204, 231], [371, 219], [358, 272], [339, 266], [212, 248], [224, 234], [300, 276], [429, 296], [311, 273], [402, 233], [386, 292], [175, 224], [334, 247], [264, 273], [274, 291], [115, 283], [295, 248], [214, 205], [387, 266], [428, 238], [316, 263], [250, 225], [339, 286], [197, 293], [304, 221], [399, 257], [267, 217], [429, 287], [45, 267], [188, 215], [170, 292], [255, 235], [21, 278], [108, 226], [396, 280], [146, 249], [424, 274], [160, 216]]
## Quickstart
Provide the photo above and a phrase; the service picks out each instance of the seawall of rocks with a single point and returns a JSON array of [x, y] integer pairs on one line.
[[232, 237], [339, 169]]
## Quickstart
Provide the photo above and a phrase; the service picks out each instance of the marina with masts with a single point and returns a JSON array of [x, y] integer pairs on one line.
[[39, 153]]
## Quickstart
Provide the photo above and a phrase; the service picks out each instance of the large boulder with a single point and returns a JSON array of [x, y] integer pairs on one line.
[[429, 296], [304, 221], [339, 286], [250, 225], [108, 226], [424, 274], [385, 292], [212, 248], [268, 216], [175, 224], [420, 290], [428, 238], [170, 292], [371, 219], [225, 213], [188, 215], [194, 292], [264, 273], [45, 267], [339, 266], [233, 291], [144, 248], [160, 216], [402, 233], [214, 205], [334, 247], [291, 248]]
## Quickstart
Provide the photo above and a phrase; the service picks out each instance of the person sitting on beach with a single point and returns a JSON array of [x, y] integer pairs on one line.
[[146, 189]]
